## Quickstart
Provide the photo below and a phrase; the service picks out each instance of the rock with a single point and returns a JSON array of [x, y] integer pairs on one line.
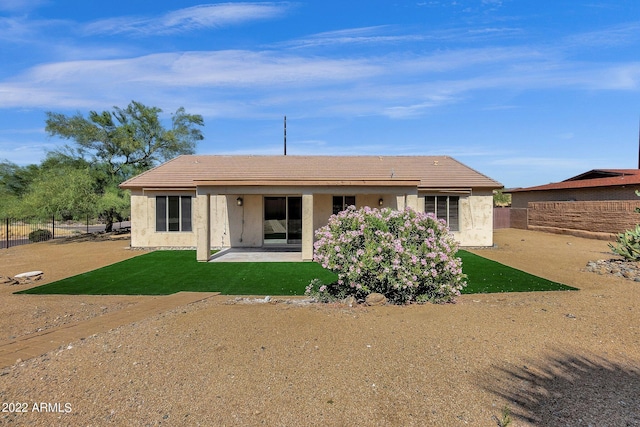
[[29, 275], [375, 299], [6, 280], [350, 301], [615, 267]]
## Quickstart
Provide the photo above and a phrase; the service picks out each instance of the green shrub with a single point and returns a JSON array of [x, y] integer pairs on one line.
[[40, 235], [404, 255], [628, 244]]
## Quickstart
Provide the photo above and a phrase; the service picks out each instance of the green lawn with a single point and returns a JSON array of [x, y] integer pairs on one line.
[[485, 276], [167, 272]]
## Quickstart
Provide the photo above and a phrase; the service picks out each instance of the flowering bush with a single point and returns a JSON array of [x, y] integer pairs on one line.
[[404, 255], [323, 293]]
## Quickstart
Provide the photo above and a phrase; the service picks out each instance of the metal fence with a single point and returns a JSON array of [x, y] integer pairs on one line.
[[15, 232]]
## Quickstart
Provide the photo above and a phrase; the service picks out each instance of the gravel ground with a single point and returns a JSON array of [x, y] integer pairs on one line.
[[552, 359]]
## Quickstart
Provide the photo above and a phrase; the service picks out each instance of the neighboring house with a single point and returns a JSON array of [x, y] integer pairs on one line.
[[600, 201], [209, 201]]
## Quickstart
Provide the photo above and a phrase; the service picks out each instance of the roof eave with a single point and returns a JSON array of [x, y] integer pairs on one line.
[[308, 183]]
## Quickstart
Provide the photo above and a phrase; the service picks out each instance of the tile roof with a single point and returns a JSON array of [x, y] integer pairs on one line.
[[425, 171], [591, 179]]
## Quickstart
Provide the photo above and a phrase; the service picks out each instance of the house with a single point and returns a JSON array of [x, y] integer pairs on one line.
[[596, 203], [209, 201]]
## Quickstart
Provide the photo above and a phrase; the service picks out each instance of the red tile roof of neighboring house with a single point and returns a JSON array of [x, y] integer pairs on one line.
[[425, 172], [591, 179]]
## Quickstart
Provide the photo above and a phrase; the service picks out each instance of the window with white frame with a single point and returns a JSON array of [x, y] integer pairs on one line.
[[444, 207], [173, 213], [341, 203]]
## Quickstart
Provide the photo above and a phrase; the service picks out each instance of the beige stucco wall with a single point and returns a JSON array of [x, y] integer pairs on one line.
[[242, 226], [476, 220], [143, 222], [233, 225], [372, 200], [322, 208]]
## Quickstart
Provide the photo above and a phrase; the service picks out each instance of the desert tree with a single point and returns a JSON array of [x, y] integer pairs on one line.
[[15, 182], [121, 143], [63, 191]]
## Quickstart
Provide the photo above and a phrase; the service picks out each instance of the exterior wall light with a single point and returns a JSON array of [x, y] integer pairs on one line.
[[380, 202], [239, 201]]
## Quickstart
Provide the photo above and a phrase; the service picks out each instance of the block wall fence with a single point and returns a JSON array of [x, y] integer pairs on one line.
[[594, 219]]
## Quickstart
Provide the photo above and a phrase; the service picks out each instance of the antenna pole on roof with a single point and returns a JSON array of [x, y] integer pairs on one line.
[[639, 144], [285, 136]]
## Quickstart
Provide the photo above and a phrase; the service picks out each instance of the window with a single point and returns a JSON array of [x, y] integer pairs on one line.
[[173, 213], [444, 207], [341, 203]]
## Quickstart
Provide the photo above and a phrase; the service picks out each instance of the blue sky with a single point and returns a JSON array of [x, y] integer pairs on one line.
[[526, 92]]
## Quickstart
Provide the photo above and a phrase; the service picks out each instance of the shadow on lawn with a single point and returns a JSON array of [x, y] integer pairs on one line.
[[571, 390]]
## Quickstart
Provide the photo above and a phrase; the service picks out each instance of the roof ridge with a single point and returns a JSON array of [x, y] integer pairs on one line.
[[431, 170], [319, 155]]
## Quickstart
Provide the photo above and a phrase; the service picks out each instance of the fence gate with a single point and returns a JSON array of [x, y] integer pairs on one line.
[[501, 218]]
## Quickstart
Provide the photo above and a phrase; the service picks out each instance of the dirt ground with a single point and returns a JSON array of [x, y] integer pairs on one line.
[[549, 358]]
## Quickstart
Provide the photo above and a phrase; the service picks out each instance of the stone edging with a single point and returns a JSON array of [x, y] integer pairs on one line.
[[619, 268]]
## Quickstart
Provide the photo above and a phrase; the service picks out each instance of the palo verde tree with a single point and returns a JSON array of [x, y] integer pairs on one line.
[[12, 186], [123, 142], [14, 179], [21, 187], [59, 186], [66, 191]]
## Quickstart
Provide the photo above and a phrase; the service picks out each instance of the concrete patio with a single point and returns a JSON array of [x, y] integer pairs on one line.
[[257, 255]]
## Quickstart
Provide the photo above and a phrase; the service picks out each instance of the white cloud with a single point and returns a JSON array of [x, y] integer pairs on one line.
[[233, 68], [26, 152], [566, 135], [623, 77], [12, 29], [354, 36], [21, 5], [247, 83], [190, 19], [22, 30], [391, 34], [408, 111], [618, 35]]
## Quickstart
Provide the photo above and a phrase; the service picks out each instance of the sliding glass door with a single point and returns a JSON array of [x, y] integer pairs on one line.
[[294, 220], [282, 220]]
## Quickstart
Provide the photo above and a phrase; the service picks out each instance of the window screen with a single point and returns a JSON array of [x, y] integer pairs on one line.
[[341, 203], [444, 207], [173, 213], [161, 213]]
